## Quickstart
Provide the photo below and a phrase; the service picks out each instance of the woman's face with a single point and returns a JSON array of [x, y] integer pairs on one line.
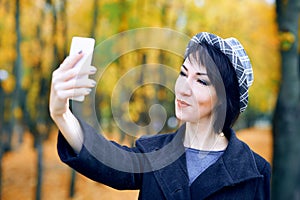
[[195, 95]]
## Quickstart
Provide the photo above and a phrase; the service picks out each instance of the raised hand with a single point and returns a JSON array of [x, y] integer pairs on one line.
[[67, 82]]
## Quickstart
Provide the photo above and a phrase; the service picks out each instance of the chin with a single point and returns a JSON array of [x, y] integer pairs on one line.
[[183, 118]]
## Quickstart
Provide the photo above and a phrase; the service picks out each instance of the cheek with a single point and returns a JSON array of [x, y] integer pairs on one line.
[[177, 85], [206, 98]]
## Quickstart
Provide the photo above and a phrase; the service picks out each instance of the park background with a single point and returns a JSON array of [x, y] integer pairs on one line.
[[35, 37]]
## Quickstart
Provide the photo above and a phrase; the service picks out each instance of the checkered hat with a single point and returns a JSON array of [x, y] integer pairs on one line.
[[236, 53]]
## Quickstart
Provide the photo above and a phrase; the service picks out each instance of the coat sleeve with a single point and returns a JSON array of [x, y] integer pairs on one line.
[[103, 161], [264, 189]]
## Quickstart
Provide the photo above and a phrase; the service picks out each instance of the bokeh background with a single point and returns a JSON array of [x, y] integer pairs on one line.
[[35, 38]]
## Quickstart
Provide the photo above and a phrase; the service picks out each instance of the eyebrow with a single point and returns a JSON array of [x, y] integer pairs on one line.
[[198, 73]]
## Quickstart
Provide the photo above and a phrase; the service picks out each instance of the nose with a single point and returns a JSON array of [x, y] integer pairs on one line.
[[184, 88]]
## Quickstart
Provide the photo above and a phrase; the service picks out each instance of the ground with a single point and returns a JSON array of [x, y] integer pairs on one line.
[[19, 171]]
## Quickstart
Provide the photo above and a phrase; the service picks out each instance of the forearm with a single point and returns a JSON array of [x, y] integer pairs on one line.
[[66, 83], [70, 128], [100, 160]]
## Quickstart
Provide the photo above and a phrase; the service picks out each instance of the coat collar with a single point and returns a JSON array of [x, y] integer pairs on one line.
[[173, 179], [237, 164]]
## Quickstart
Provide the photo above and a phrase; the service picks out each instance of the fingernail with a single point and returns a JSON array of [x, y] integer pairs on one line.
[[93, 83], [93, 69], [88, 90], [80, 52]]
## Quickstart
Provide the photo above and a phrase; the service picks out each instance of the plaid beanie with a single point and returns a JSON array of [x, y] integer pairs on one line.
[[237, 55]]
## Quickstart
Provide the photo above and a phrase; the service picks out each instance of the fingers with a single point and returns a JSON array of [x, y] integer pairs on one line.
[[65, 75], [66, 94], [67, 82], [74, 83], [70, 61]]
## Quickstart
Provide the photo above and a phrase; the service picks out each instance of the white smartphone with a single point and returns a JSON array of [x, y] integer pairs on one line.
[[86, 45]]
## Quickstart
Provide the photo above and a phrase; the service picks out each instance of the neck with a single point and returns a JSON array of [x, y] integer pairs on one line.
[[203, 137]]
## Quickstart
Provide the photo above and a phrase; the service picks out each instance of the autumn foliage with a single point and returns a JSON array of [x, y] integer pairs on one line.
[[35, 37], [47, 28]]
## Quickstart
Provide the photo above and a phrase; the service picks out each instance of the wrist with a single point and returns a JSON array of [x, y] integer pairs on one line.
[[61, 117]]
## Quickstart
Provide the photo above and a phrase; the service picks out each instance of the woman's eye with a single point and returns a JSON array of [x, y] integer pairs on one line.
[[203, 82], [182, 73]]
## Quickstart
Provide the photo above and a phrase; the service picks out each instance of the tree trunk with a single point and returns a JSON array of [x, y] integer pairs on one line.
[[18, 61], [17, 95], [95, 18], [1, 155], [64, 22], [39, 182], [72, 183], [1, 133], [286, 126]]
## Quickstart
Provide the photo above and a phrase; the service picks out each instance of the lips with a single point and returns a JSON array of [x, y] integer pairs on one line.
[[182, 103]]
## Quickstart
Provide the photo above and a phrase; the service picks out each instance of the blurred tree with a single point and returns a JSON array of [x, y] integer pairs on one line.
[[93, 29], [255, 28], [2, 142], [41, 54], [37, 116], [14, 120], [286, 126], [191, 17], [95, 18], [47, 26]]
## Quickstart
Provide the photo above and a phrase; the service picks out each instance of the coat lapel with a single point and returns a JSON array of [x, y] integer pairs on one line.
[[237, 164], [174, 180], [171, 177]]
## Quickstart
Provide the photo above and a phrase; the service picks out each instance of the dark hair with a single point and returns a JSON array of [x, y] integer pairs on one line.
[[223, 77]]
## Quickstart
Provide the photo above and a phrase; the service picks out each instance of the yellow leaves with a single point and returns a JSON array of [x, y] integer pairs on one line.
[[33, 97], [287, 40], [7, 39], [149, 91], [8, 85], [31, 52], [79, 19], [162, 94], [18, 113], [26, 82], [135, 111], [252, 22], [109, 78]]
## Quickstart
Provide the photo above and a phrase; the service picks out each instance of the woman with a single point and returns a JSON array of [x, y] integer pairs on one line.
[[203, 159]]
